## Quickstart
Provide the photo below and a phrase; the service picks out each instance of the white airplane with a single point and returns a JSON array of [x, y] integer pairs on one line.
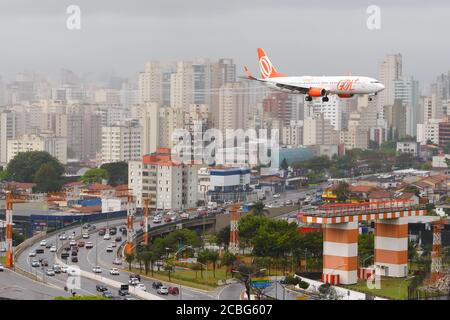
[[312, 87]]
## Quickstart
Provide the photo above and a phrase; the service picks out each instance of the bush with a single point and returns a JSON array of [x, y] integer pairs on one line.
[[303, 285]]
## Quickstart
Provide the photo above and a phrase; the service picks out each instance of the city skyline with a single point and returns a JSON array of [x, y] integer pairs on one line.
[[121, 38]]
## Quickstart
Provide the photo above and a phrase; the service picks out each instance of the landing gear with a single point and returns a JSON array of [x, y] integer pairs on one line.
[[308, 98], [325, 99]]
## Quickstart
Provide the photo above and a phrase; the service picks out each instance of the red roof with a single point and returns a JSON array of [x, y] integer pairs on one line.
[[99, 187], [122, 187], [360, 188], [406, 196], [89, 209], [20, 185], [74, 184], [380, 194]]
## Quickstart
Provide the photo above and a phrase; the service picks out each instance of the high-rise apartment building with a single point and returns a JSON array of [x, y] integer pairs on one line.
[[390, 69], [407, 90], [121, 142], [148, 115], [150, 83], [55, 146]]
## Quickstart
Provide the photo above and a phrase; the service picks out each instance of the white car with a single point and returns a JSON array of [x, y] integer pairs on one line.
[[162, 290], [141, 286], [71, 237], [113, 244], [32, 254], [85, 236], [50, 273], [109, 249], [2, 268], [89, 245], [277, 195], [184, 215], [157, 219], [117, 261], [106, 236], [97, 269], [114, 272], [64, 269], [43, 243], [133, 281], [53, 249], [63, 237], [72, 243]]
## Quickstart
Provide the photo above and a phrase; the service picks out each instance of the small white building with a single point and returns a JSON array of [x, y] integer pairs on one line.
[[114, 204], [408, 147]]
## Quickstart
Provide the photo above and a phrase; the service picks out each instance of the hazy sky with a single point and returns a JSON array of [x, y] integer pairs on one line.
[[301, 37]]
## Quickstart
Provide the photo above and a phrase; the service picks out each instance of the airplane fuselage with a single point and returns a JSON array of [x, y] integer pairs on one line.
[[341, 85]]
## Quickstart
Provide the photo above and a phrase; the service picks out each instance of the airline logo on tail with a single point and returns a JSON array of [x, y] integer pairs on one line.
[[266, 67]]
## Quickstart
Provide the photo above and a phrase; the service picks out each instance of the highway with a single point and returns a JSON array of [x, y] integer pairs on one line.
[[16, 286], [98, 256], [88, 258]]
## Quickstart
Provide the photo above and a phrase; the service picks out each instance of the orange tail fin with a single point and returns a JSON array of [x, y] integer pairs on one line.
[[266, 66]]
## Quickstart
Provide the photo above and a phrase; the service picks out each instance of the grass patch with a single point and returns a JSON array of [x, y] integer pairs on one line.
[[185, 278], [392, 288], [2, 260]]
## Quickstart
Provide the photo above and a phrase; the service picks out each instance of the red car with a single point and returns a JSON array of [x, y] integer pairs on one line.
[[167, 219], [80, 244], [174, 290]]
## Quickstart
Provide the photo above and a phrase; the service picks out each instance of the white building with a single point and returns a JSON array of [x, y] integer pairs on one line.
[[428, 131], [330, 110], [56, 146], [149, 86], [407, 90], [292, 133], [168, 185], [121, 142], [182, 85], [317, 130], [408, 147], [390, 69], [148, 115]]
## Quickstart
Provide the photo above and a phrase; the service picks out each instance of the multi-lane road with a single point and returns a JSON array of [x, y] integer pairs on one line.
[[15, 285], [98, 256]]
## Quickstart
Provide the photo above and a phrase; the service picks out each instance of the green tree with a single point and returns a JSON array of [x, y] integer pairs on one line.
[[412, 189], [366, 247], [197, 267], [24, 165], [147, 258], [228, 260], [213, 257], [258, 208], [342, 192], [203, 258], [223, 237], [117, 172], [47, 179], [94, 176], [129, 258]]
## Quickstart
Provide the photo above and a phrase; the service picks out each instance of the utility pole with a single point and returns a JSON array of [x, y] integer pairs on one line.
[[146, 209], [8, 237]]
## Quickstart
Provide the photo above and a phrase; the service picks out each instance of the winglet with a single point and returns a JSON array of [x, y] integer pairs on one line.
[[265, 65], [248, 73]]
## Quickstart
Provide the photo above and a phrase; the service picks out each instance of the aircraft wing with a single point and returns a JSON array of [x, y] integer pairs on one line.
[[292, 88]]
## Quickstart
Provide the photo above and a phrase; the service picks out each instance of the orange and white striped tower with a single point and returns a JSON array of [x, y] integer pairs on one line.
[[146, 203], [436, 259], [340, 253], [391, 247], [9, 262], [130, 218], [234, 229]]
